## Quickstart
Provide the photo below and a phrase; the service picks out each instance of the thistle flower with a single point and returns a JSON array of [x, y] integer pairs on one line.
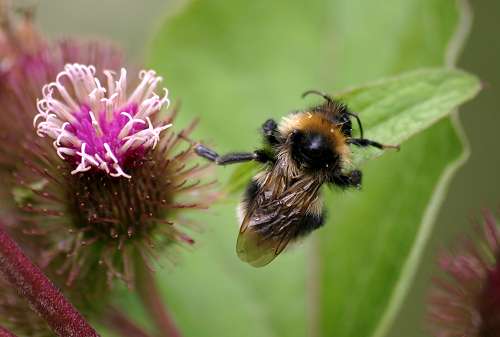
[[467, 301], [106, 187]]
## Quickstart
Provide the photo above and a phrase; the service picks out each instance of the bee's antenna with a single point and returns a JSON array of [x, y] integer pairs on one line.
[[359, 122], [319, 93]]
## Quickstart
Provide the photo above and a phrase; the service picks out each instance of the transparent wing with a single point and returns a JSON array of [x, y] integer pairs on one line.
[[266, 231], [258, 250]]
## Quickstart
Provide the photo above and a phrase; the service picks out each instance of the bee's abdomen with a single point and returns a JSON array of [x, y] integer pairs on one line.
[[310, 222]]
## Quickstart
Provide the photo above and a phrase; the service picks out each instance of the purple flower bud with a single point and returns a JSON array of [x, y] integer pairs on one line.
[[466, 301]]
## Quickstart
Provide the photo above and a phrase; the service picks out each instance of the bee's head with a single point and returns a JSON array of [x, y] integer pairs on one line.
[[313, 150], [314, 142]]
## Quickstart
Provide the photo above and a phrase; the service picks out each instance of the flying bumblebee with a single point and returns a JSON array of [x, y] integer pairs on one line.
[[282, 203]]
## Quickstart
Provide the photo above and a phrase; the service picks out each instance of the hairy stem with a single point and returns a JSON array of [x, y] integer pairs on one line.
[[151, 299], [6, 333], [117, 321], [43, 296]]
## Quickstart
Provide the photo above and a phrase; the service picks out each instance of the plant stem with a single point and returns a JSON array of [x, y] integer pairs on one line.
[[6, 333], [151, 299], [119, 322], [43, 296]]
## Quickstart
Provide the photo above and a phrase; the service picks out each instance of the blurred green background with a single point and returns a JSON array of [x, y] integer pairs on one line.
[[474, 187]]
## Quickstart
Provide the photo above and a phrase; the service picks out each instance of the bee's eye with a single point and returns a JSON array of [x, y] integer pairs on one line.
[[311, 149]]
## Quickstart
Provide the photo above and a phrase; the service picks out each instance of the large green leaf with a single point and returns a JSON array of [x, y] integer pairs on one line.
[[237, 63]]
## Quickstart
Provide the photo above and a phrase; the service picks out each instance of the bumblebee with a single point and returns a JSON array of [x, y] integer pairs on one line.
[[282, 203]]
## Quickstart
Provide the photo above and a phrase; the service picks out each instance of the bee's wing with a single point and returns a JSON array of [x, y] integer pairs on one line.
[[265, 234], [273, 219], [257, 250]]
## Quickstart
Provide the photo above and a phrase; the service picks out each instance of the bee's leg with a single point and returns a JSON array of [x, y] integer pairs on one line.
[[270, 132], [205, 152], [351, 179], [231, 158], [366, 142], [236, 157]]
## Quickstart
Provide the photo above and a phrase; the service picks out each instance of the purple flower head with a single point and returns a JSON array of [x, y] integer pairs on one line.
[[466, 302], [97, 126]]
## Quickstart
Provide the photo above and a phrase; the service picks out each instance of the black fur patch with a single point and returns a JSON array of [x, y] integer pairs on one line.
[[310, 222], [312, 150], [251, 191]]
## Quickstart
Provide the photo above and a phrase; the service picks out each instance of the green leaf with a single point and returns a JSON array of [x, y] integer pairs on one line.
[[395, 109], [237, 63]]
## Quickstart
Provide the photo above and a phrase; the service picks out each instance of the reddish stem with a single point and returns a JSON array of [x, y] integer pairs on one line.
[[6, 333], [43, 296], [152, 300], [120, 323]]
